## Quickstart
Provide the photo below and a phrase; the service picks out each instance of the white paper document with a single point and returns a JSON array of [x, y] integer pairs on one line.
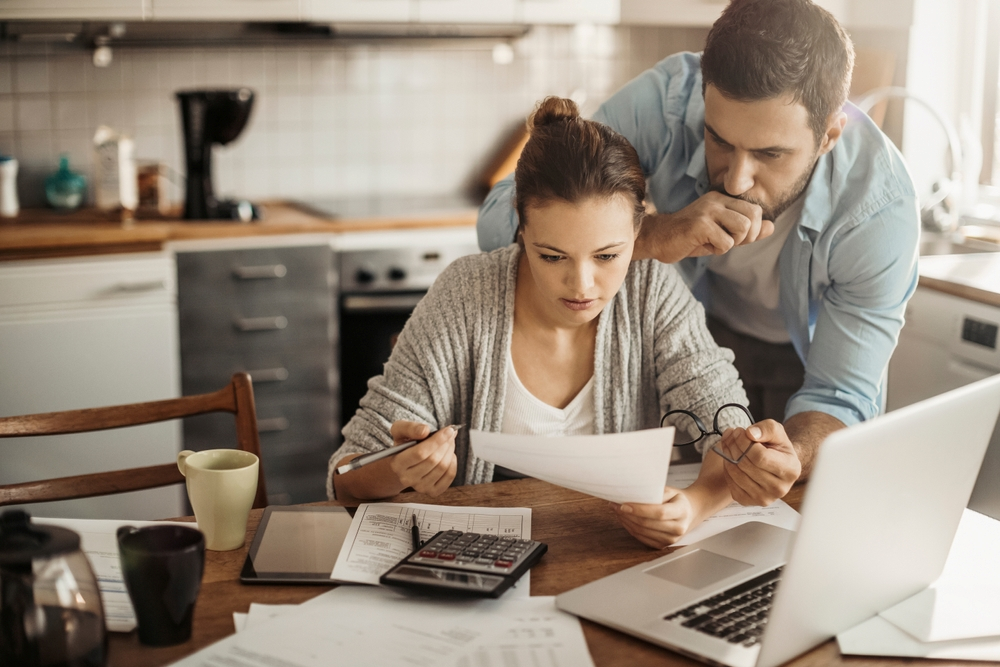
[[778, 513], [99, 541], [621, 467], [380, 535], [380, 626], [259, 613], [957, 618]]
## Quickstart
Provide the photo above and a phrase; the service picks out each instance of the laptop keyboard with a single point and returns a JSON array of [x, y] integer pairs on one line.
[[737, 615]]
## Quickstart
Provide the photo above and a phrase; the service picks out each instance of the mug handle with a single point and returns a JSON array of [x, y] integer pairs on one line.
[[124, 531], [182, 461]]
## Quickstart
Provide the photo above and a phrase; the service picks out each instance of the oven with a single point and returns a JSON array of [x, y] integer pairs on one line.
[[379, 289]]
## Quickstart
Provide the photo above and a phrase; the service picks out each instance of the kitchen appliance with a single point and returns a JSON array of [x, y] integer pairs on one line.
[[379, 290], [212, 117], [50, 606]]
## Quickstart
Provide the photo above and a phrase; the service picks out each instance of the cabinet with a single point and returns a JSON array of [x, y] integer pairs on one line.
[[374, 11], [570, 11], [82, 333], [222, 10], [269, 312], [74, 9]]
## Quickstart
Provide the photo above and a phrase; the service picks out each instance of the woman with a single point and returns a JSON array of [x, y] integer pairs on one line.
[[559, 334]]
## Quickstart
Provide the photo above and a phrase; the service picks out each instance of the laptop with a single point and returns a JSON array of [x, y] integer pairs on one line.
[[878, 518]]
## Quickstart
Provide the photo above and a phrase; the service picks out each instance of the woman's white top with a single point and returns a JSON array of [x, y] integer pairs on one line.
[[524, 414]]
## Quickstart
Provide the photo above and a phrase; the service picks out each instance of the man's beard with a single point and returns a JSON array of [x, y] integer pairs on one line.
[[786, 199]]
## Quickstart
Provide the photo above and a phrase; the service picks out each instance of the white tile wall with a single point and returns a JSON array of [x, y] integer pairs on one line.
[[347, 119]]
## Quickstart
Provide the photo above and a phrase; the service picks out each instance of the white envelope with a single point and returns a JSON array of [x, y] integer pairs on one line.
[[621, 467]]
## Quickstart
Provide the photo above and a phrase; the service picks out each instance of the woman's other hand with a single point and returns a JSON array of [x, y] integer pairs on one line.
[[429, 467], [658, 526]]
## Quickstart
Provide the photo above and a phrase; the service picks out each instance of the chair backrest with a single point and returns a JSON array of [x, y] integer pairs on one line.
[[236, 397]]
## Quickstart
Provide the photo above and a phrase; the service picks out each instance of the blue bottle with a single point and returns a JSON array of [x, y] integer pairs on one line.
[[65, 189]]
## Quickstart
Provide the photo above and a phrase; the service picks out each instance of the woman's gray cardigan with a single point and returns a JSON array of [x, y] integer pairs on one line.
[[653, 354]]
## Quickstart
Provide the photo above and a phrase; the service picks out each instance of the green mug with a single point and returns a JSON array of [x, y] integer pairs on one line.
[[221, 485]]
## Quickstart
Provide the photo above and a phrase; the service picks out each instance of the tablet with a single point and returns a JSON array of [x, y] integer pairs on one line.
[[296, 545]]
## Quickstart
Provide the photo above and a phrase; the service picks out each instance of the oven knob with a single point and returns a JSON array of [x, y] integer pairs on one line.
[[396, 273], [364, 277]]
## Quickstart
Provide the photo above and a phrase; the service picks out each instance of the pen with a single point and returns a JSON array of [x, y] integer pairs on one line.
[[415, 531], [364, 460]]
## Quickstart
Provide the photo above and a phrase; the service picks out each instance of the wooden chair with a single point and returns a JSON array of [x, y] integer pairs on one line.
[[236, 397]]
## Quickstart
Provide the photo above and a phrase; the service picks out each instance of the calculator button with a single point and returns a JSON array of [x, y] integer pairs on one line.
[[484, 561], [428, 553], [464, 558], [446, 556], [503, 563]]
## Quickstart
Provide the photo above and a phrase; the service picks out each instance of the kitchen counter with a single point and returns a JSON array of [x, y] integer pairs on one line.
[[970, 276], [47, 233]]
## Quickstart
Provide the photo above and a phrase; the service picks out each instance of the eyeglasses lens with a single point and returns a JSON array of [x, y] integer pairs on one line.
[[728, 417], [687, 429]]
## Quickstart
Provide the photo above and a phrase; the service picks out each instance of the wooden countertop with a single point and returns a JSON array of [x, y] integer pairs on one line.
[[47, 233], [971, 276]]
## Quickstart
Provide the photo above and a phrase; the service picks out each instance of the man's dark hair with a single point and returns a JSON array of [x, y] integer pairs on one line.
[[763, 49]]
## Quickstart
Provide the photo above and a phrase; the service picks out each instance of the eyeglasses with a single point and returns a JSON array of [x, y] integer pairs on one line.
[[687, 424]]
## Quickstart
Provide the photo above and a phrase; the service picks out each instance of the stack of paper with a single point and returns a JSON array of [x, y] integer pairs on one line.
[[364, 625], [957, 618]]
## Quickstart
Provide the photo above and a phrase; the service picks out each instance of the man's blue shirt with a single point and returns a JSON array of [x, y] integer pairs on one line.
[[848, 267]]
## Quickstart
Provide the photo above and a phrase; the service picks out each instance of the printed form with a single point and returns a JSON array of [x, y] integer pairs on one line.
[[380, 536]]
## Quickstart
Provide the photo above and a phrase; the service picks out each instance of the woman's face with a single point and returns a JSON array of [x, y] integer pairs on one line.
[[578, 254]]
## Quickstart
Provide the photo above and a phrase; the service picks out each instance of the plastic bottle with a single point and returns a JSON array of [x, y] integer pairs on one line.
[[9, 207]]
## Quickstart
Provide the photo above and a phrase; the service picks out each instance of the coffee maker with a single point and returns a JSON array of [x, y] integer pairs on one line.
[[212, 117]]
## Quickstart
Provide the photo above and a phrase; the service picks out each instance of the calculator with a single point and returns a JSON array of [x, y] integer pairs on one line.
[[473, 564]]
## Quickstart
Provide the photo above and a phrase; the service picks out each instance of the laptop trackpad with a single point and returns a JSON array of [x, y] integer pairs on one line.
[[698, 568]]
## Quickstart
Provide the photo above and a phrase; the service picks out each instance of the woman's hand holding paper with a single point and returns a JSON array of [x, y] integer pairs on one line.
[[658, 526]]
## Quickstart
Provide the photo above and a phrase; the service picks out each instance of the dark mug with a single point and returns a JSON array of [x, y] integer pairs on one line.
[[162, 568]]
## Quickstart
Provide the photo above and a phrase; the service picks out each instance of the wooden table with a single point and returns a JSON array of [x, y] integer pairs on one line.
[[585, 541]]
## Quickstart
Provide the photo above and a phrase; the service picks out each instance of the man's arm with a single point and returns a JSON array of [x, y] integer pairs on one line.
[[872, 269], [807, 431]]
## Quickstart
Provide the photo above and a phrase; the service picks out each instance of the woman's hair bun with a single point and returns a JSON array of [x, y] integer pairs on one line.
[[552, 110]]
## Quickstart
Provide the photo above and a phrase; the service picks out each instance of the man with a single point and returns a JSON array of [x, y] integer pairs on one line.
[[789, 213]]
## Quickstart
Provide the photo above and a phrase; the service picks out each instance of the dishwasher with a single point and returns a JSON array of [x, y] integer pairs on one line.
[[81, 333]]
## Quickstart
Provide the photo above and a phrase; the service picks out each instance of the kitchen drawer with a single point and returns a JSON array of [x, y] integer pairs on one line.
[[274, 372], [88, 282], [258, 325], [256, 275], [288, 424]]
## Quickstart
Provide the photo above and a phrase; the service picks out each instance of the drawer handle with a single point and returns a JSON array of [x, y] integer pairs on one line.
[[142, 286], [257, 272], [269, 375], [261, 323], [272, 424]]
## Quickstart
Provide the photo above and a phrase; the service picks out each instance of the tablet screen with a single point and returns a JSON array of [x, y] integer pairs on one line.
[[296, 544]]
